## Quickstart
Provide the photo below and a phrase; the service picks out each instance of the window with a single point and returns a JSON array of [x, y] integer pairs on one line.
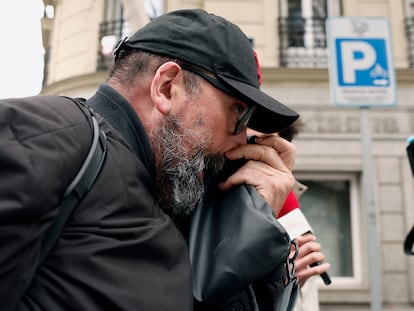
[[302, 33], [409, 30], [331, 206], [306, 23], [410, 7], [114, 27], [153, 8]]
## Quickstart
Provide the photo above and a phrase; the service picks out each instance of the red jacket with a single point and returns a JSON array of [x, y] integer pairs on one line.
[[290, 204]]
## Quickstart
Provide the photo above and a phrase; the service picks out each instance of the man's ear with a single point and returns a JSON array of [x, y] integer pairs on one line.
[[161, 88]]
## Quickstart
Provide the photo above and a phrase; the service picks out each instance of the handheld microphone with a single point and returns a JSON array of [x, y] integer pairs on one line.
[[296, 224]]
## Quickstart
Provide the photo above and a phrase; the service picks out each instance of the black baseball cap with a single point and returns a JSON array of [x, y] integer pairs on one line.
[[212, 43]]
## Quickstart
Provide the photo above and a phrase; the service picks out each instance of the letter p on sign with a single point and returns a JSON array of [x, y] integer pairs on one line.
[[358, 56]]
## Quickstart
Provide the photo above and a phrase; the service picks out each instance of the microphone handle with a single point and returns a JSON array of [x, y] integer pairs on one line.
[[410, 152], [325, 276]]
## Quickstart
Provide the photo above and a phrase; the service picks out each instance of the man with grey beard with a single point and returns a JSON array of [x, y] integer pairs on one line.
[[179, 181], [176, 104]]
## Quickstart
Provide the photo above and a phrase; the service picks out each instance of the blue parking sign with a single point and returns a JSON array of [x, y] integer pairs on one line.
[[361, 70], [362, 62]]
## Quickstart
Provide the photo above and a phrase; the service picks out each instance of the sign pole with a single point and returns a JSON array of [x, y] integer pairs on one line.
[[370, 203], [361, 74]]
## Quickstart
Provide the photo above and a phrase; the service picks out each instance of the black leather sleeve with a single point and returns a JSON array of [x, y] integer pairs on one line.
[[40, 152]]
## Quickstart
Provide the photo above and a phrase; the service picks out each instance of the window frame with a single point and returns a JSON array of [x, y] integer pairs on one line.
[[409, 28], [409, 8], [356, 217], [307, 55]]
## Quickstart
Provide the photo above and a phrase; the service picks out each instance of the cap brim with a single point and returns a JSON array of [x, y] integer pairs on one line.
[[270, 116]]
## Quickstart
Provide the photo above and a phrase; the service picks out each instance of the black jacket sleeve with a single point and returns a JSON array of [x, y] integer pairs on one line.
[[43, 141]]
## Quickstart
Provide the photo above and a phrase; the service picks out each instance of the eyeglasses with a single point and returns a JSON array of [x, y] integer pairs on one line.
[[246, 115], [244, 119]]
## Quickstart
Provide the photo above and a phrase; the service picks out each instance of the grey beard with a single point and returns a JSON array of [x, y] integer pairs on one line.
[[180, 186]]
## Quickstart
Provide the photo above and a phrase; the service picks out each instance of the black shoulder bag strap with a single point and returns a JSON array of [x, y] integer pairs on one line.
[[76, 190], [79, 186]]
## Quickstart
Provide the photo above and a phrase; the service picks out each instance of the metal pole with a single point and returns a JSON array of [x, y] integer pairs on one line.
[[374, 258]]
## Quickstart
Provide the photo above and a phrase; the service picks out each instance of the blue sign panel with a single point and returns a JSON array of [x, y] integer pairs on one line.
[[363, 62]]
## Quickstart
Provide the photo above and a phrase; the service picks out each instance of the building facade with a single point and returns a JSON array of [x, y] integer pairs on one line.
[[290, 39]]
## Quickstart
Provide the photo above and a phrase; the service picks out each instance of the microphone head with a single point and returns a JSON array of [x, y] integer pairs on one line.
[[295, 223], [290, 204]]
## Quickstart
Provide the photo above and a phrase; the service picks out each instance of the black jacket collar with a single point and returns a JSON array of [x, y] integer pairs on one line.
[[119, 113]]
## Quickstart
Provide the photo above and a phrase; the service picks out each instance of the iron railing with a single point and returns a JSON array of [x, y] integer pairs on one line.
[[409, 31], [109, 34], [302, 42]]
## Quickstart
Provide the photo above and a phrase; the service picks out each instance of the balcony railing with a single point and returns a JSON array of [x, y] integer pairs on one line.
[[109, 34], [302, 42], [409, 30]]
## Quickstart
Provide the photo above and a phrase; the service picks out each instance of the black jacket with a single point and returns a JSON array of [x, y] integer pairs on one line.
[[119, 250]]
